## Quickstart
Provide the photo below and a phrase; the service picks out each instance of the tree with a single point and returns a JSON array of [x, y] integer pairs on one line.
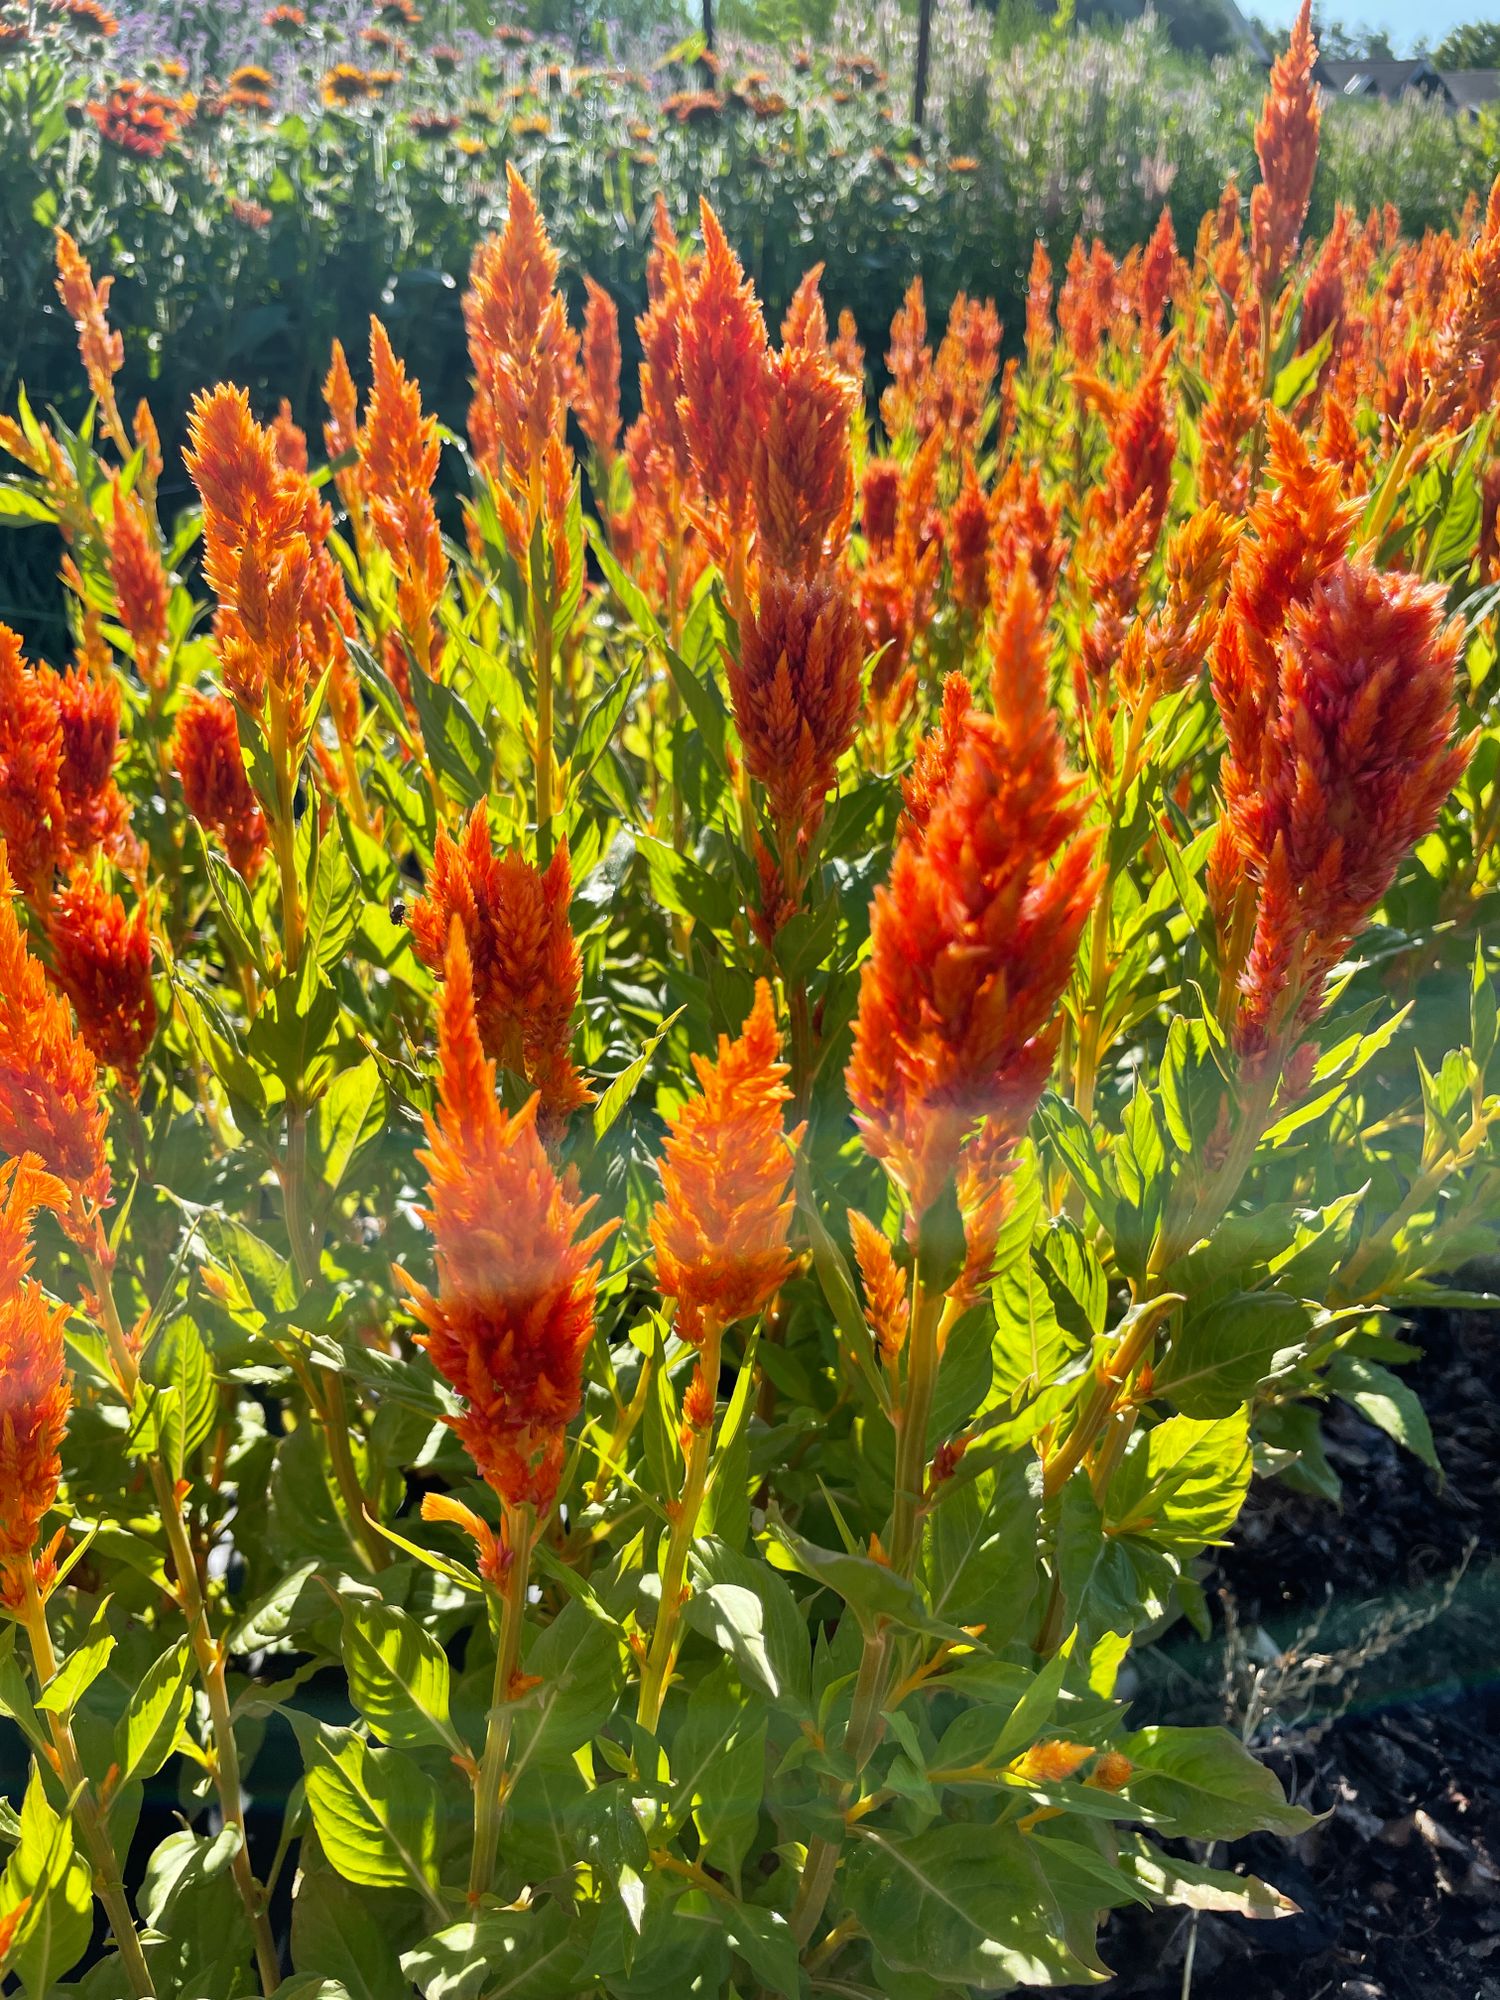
[[1475, 45]]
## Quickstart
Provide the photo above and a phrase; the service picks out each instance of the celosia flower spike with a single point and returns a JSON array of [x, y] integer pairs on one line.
[[34, 1413], [140, 583], [524, 961], [972, 943], [32, 818], [49, 1093], [101, 350], [513, 1313], [102, 960], [207, 755], [598, 394], [722, 358], [1286, 144], [399, 452], [720, 1229]]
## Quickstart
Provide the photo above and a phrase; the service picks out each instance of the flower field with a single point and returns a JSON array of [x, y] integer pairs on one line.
[[683, 1100]]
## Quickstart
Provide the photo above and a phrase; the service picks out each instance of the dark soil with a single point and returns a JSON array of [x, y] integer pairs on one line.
[[1386, 1718]]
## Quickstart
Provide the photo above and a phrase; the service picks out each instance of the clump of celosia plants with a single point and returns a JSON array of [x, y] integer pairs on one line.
[[666, 1163]]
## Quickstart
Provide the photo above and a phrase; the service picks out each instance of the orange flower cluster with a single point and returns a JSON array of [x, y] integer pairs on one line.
[[803, 479], [598, 398], [59, 738], [142, 593], [796, 692], [102, 960], [525, 358], [887, 1306], [720, 1229], [520, 956], [37, 1399], [282, 615], [514, 1310], [49, 1093], [1336, 683], [208, 759], [722, 355], [139, 120], [398, 462], [1286, 144], [973, 938], [950, 392]]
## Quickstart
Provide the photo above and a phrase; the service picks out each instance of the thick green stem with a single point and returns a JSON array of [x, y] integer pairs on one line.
[[665, 1635], [542, 628], [922, 1361], [489, 1803], [109, 1884]]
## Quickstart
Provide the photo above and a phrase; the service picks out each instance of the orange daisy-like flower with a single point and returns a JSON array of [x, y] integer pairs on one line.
[[973, 939], [513, 1314], [139, 121], [1286, 144], [35, 1405], [525, 966], [206, 751], [49, 1094], [86, 16], [720, 1230], [399, 452], [102, 960], [345, 84]]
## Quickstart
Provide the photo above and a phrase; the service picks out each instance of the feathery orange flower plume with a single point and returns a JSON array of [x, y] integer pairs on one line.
[[34, 1407], [399, 452], [847, 351], [102, 960], [887, 1307], [95, 814], [720, 1229], [207, 755], [722, 353], [1026, 527], [288, 439], [1159, 267], [1356, 755], [513, 1313], [49, 1093], [101, 350], [1286, 144], [523, 960], [341, 439], [524, 356], [972, 942], [668, 284], [1227, 421], [1466, 356], [32, 819], [140, 583], [968, 540], [796, 691], [804, 475], [1039, 306], [282, 613], [597, 398]]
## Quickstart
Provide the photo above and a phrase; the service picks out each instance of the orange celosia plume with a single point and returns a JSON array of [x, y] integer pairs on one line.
[[399, 452], [720, 1229], [206, 752], [524, 961], [513, 1314], [34, 1407], [102, 960], [49, 1093], [87, 305], [32, 821], [1286, 144], [722, 356], [597, 398], [141, 590], [973, 938], [804, 478]]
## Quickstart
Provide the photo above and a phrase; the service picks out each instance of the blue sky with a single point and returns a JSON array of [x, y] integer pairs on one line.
[[1403, 20]]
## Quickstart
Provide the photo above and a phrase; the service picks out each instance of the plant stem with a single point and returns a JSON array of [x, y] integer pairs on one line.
[[542, 630], [664, 1636], [208, 1653], [912, 1419], [520, 1535], [109, 1885]]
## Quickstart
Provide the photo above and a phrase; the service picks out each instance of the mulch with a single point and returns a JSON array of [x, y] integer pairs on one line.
[[1374, 1630]]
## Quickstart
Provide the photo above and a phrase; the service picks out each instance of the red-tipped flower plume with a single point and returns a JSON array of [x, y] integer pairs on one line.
[[36, 1400], [1286, 144], [525, 965], [206, 752], [102, 960]]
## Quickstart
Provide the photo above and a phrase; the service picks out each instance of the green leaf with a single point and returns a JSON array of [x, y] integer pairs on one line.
[[579, 1671], [535, 1954], [376, 1812], [963, 1903], [718, 1769], [765, 1940], [622, 1086], [1203, 1784], [344, 1934], [1168, 1879], [1220, 1356], [189, 1896], [873, 1591], [1183, 1483], [350, 1113], [160, 1704], [745, 1608], [81, 1669], [398, 1676], [1387, 1402], [44, 1873], [182, 1394]]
